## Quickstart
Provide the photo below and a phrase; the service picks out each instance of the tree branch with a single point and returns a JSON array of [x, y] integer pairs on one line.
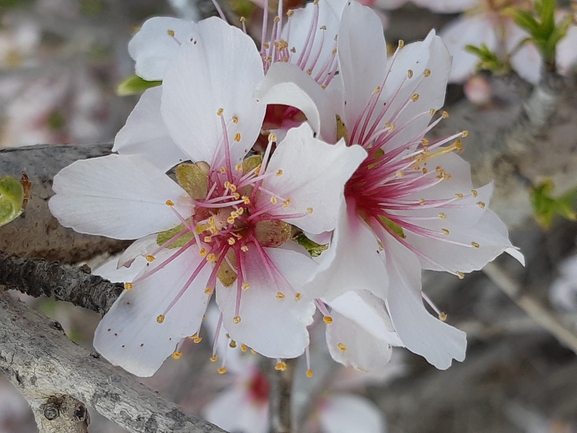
[[281, 383], [37, 357]]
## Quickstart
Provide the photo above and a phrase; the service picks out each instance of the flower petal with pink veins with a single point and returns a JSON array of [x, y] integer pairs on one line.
[[419, 331], [273, 326], [122, 197], [312, 176], [218, 70], [287, 84], [129, 334], [144, 133], [345, 413], [234, 410], [352, 346], [467, 30], [153, 47], [353, 261]]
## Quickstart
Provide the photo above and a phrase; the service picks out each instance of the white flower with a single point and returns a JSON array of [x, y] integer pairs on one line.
[[410, 205], [224, 227], [563, 291]]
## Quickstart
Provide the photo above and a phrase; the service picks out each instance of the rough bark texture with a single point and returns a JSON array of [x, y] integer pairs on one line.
[[37, 357], [36, 233], [60, 414], [37, 277]]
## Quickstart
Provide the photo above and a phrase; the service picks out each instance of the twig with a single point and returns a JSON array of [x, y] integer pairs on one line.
[[546, 318], [36, 356], [281, 383], [37, 277]]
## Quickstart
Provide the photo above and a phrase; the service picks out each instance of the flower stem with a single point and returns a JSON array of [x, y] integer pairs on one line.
[[280, 397]]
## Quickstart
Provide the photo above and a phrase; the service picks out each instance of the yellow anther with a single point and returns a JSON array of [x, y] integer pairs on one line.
[[342, 347], [443, 216], [211, 257], [197, 340], [193, 336], [266, 45], [323, 86], [236, 320], [425, 170], [400, 174], [425, 142], [290, 13], [237, 137], [230, 220], [231, 240], [277, 19], [273, 200], [377, 90], [278, 172], [309, 210], [298, 296], [427, 72], [415, 97], [334, 52], [160, 318], [236, 195], [242, 19], [309, 71], [444, 115], [208, 290], [410, 73], [243, 347], [272, 137], [244, 248], [219, 111], [128, 286], [235, 119], [432, 111], [169, 203], [481, 204], [280, 295], [245, 286], [422, 202], [246, 199], [322, 27], [445, 231], [459, 195], [149, 258], [309, 373], [176, 355], [286, 202], [170, 33], [460, 275], [443, 317], [232, 344], [328, 320], [213, 358], [465, 133], [254, 352], [239, 212], [222, 370], [475, 244], [238, 167], [223, 170], [401, 43], [281, 366], [474, 192], [208, 239]]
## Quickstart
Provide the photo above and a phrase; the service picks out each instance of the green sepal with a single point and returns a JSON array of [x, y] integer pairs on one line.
[[193, 180], [313, 248], [487, 59], [135, 85], [11, 199], [166, 235], [395, 228], [546, 207], [250, 163]]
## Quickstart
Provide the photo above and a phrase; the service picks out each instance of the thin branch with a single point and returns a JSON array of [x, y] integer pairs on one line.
[[542, 315], [36, 356], [37, 277]]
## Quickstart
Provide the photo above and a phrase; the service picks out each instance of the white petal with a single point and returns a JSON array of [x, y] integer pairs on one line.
[[421, 333], [345, 413], [287, 84], [274, 327], [467, 30], [313, 178], [391, 4], [362, 57], [528, 63], [218, 70], [145, 134], [153, 48], [122, 197], [302, 30], [353, 261], [140, 247], [566, 52], [447, 6], [115, 274], [233, 410], [129, 334]]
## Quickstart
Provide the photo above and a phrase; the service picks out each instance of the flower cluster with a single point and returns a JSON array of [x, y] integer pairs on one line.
[[245, 163]]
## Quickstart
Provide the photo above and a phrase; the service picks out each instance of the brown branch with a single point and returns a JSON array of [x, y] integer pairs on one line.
[[37, 357], [37, 277], [281, 384]]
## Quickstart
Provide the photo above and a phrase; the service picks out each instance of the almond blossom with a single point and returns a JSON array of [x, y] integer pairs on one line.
[[224, 227], [409, 206]]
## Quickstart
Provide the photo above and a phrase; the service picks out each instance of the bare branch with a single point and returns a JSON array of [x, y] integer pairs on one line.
[[37, 277], [36, 356], [281, 383]]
